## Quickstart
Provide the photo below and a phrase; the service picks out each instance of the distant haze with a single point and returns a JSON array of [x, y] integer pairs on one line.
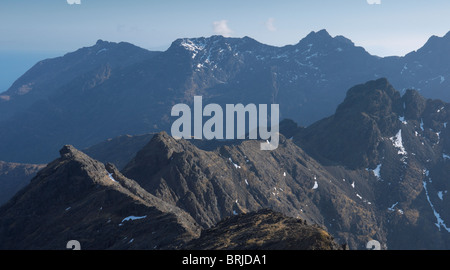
[[14, 64]]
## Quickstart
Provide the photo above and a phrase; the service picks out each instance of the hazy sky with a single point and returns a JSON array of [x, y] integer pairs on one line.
[[383, 27]]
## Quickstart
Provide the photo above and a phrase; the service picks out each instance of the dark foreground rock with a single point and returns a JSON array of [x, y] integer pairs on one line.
[[264, 230]]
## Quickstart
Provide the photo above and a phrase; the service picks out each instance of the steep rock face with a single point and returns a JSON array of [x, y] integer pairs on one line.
[[78, 198], [240, 178], [367, 114], [402, 141], [263, 230]]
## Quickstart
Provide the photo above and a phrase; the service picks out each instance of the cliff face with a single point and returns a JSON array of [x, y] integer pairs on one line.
[[403, 141]]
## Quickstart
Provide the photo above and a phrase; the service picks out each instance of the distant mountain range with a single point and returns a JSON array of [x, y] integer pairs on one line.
[[112, 89]]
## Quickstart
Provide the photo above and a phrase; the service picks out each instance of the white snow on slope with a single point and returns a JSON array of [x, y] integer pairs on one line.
[[398, 143], [441, 194], [192, 47], [440, 222], [131, 218], [100, 51], [235, 165], [376, 171], [111, 177], [402, 119], [392, 208]]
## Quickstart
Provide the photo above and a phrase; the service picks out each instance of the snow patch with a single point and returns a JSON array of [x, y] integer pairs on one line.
[[441, 194], [133, 218], [192, 47], [398, 143], [111, 177], [316, 185], [405, 67], [100, 51], [235, 165], [376, 171], [402, 119], [392, 208], [440, 222]]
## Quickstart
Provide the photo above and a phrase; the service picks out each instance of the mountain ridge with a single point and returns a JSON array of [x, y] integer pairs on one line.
[[308, 80]]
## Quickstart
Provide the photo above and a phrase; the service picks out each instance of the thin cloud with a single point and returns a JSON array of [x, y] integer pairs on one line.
[[270, 25], [221, 28], [76, 2], [374, 2]]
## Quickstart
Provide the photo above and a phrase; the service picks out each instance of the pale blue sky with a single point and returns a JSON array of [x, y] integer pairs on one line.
[[393, 27]]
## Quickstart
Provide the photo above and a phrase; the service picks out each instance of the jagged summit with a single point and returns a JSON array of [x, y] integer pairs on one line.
[[370, 113], [326, 43], [68, 151], [76, 197], [377, 98], [434, 52], [319, 35]]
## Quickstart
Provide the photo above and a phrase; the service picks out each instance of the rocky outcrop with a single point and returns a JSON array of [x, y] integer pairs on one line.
[[78, 198], [403, 142], [264, 230]]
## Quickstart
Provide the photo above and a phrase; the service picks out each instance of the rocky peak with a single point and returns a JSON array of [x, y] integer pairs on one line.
[[76, 197], [434, 54], [351, 136], [69, 152], [322, 42], [376, 99], [437, 43], [320, 35]]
